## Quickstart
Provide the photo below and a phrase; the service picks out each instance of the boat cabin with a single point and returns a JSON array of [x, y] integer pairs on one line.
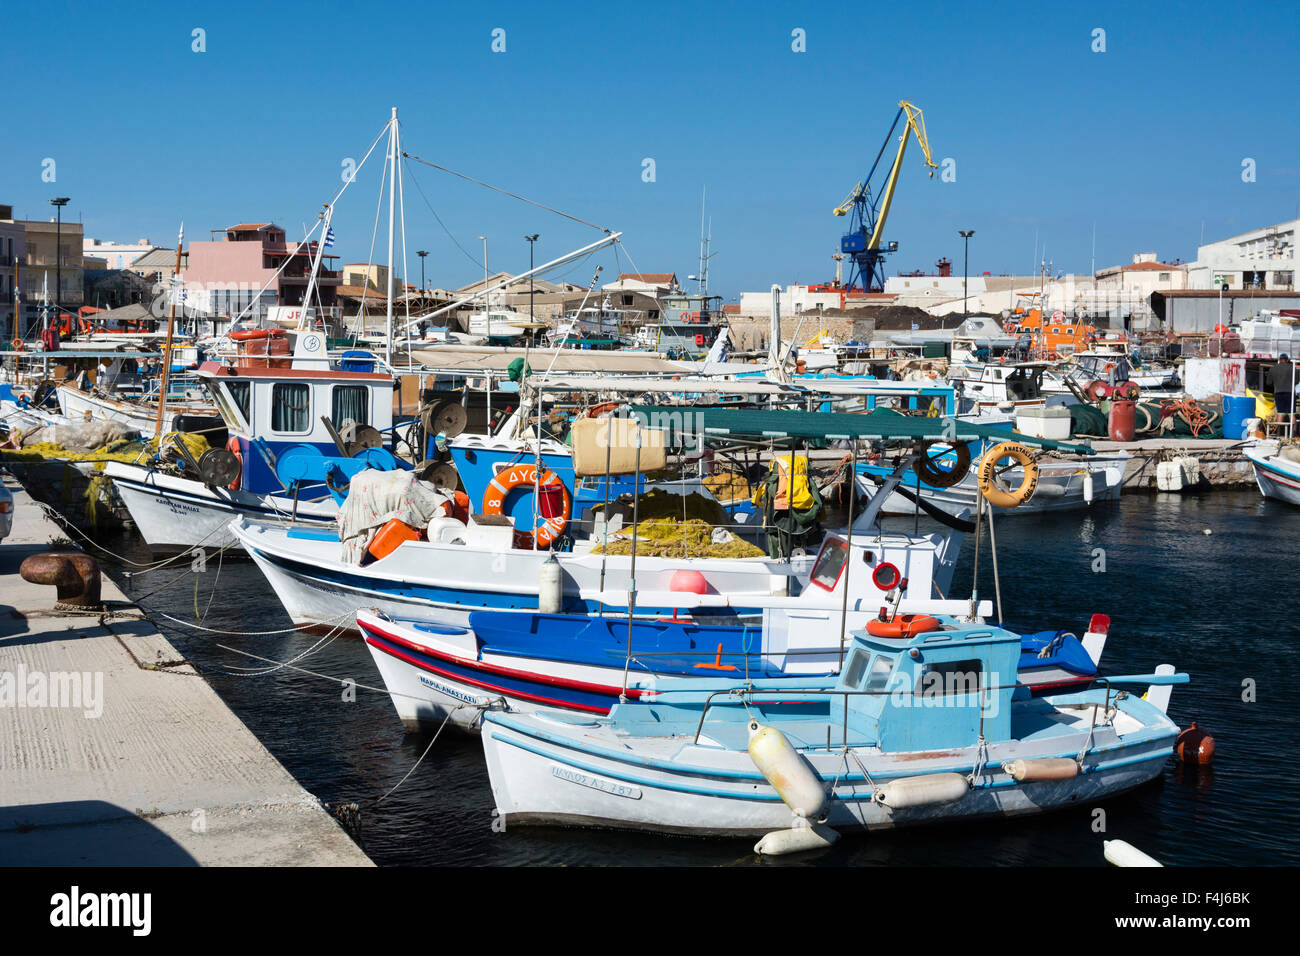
[[273, 401], [936, 690]]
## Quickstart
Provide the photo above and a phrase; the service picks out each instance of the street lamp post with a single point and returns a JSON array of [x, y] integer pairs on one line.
[[422, 253], [965, 270], [532, 317], [58, 203]]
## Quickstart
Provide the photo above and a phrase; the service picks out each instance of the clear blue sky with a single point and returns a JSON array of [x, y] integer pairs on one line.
[[1145, 139]]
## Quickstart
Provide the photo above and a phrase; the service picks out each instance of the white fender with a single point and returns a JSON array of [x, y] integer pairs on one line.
[[785, 770], [920, 791], [1119, 853], [796, 840]]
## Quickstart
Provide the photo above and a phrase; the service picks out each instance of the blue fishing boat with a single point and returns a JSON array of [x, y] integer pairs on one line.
[[925, 728]]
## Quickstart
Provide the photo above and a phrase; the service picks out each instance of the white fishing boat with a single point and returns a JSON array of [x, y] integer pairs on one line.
[[1277, 469], [271, 458], [923, 728]]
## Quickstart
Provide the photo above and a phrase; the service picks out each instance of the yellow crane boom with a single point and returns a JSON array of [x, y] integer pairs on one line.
[[915, 125]]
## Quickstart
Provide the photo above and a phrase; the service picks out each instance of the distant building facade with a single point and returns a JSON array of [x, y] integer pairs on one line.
[[1260, 259], [250, 269], [116, 255]]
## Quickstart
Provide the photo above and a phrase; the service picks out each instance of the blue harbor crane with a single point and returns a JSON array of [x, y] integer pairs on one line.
[[869, 209]]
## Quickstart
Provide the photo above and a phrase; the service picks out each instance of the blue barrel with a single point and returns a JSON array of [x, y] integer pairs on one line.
[[1235, 412]]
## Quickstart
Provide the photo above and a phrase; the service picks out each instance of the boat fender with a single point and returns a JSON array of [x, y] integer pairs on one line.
[[1042, 768], [922, 791], [991, 485], [1087, 487], [1194, 746], [1120, 853], [785, 770], [550, 587], [796, 840]]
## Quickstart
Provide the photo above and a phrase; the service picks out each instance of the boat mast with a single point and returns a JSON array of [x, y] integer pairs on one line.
[[392, 208], [167, 346]]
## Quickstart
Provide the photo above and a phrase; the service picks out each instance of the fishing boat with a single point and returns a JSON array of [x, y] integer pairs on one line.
[[271, 411], [1277, 469], [521, 663], [1058, 483], [916, 729]]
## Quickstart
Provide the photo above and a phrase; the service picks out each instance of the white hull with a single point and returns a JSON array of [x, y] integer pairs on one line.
[[179, 514], [438, 583], [86, 407], [1060, 488], [1277, 478], [670, 785]]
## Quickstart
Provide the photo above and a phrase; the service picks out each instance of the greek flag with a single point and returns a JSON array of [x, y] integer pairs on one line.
[[329, 237]]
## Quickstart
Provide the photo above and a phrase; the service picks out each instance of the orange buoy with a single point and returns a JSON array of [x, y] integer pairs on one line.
[[1195, 746]]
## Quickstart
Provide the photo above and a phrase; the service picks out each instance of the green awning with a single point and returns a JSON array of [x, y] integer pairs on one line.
[[880, 425]]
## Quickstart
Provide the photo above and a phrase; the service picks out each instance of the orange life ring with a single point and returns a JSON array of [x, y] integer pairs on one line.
[[902, 625], [602, 408], [526, 476], [232, 446], [17, 344]]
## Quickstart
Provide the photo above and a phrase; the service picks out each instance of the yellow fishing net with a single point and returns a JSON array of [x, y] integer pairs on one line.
[[673, 538]]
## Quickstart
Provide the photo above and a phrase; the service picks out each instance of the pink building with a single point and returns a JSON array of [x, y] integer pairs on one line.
[[224, 276]]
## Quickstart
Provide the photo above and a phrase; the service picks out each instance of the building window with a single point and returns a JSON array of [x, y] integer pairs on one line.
[[1164, 277], [291, 407], [349, 403]]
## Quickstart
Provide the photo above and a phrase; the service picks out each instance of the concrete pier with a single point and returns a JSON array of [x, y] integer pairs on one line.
[[109, 756], [1222, 463]]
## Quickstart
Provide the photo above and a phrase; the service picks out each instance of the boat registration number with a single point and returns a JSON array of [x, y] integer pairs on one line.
[[596, 783]]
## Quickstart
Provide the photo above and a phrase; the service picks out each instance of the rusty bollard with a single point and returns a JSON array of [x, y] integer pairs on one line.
[[76, 576]]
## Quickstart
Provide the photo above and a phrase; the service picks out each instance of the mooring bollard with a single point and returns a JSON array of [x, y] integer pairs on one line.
[[76, 575]]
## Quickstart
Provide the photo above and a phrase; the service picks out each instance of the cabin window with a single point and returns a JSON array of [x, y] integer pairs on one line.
[[290, 407], [239, 395], [857, 667], [349, 403], [881, 670], [950, 679], [826, 572]]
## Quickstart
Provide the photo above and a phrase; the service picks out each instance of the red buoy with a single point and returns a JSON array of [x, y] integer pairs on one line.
[[1195, 746], [688, 582]]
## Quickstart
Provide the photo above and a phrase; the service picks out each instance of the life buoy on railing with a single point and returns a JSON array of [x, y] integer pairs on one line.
[[232, 446], [17, 345], [245, 335], [902, 625], [526, 476], [990, 484]]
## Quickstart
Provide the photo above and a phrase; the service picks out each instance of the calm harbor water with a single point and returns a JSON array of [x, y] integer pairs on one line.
[[1219, 606]]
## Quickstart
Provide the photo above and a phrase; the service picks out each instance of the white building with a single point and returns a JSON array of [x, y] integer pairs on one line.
[[794, 300], [1124, 292], [118, 255], [1261, 259]]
